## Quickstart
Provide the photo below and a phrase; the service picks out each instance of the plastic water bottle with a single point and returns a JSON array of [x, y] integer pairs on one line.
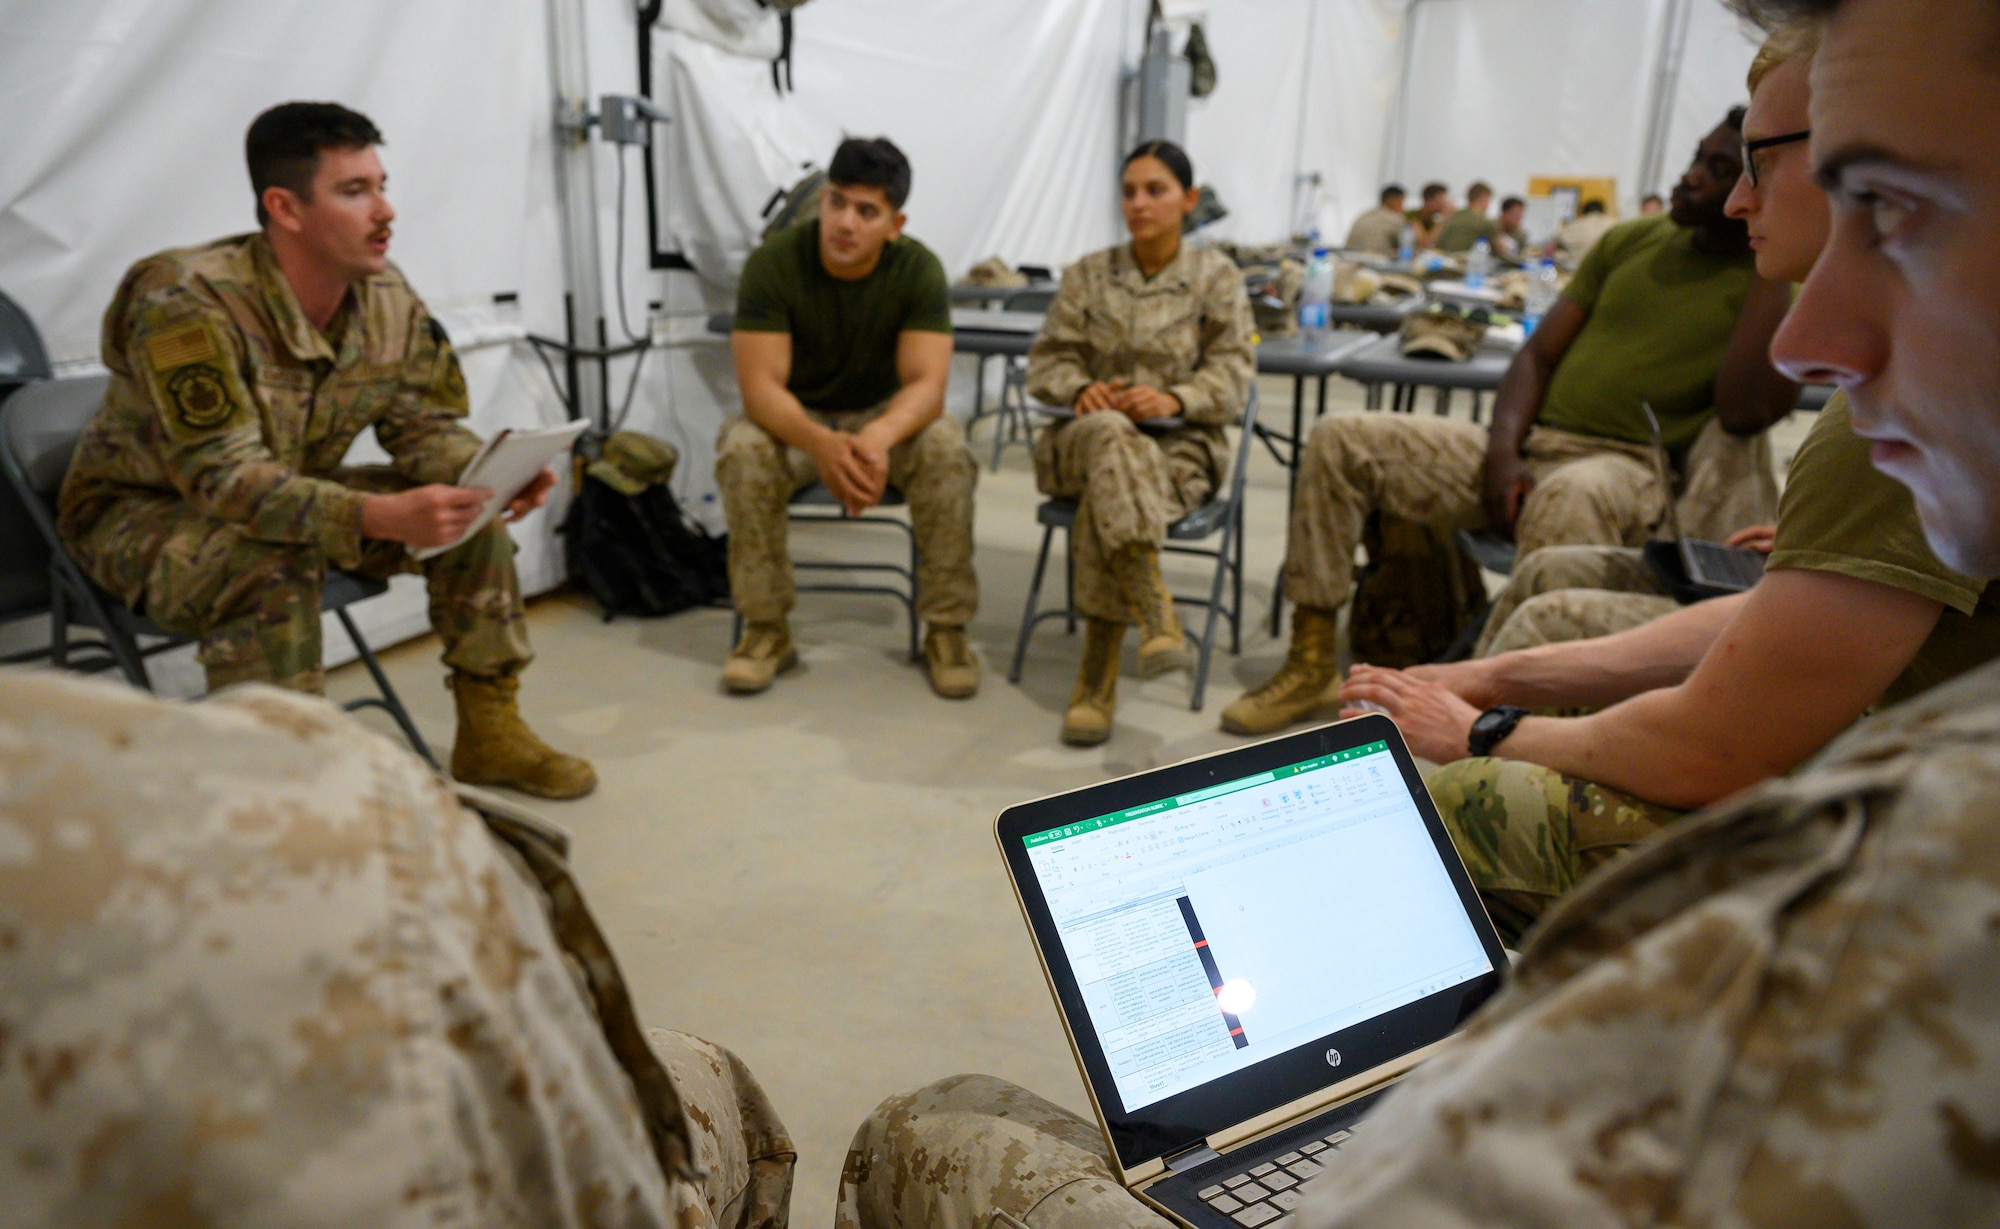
[[1540, 295], [1478, 263], [1317, 294], [1408, 252]]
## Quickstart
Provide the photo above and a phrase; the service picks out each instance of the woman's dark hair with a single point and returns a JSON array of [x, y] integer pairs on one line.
[[283, 145], [872, 162], [1170, 155]]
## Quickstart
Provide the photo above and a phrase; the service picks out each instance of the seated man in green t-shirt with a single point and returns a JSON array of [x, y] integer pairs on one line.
[[1469, 225], [843, 347], [1668, 311], [1854, 610]]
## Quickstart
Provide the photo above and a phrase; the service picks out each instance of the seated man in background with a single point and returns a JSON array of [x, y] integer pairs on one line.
[[1513, 240], [263, 969], [1650, 204], [1577, 236], [1779, 1014], [843, 347], [1431, 212], [1469, 225], [1667, 311], [1380, 230], [209, 492]]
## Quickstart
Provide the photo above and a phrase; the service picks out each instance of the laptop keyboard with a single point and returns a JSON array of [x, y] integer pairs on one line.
[[1726, 566], [1265, 1195]]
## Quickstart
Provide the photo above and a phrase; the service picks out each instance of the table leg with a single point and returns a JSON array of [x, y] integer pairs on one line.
[[1443, 401]]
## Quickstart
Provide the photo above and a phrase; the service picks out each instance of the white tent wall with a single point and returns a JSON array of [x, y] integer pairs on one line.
[[1504, 89]]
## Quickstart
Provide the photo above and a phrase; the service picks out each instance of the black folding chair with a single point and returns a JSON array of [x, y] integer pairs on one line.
[[1223, 515], [815, 505], [39, 427]]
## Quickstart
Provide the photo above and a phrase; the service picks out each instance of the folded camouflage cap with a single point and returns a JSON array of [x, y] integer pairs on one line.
[[631, 461], [1436, 333], [995, 273]]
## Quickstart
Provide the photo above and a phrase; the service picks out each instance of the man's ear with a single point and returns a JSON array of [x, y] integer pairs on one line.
[[896, 224], [283, 207]]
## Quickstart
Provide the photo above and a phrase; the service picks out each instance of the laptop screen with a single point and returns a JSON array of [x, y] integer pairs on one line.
[[1213, 929]]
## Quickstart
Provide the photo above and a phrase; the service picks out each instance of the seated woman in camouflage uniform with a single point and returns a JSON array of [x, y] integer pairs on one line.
[[1147, 330]]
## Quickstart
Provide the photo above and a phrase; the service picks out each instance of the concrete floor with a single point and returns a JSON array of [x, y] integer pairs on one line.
[[809, 876]]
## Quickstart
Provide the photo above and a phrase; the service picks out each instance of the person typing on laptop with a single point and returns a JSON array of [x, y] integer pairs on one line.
[[1856, 611], [1781, 1012]]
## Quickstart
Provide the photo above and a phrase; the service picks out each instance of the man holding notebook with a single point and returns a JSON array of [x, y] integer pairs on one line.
[[209, 492]]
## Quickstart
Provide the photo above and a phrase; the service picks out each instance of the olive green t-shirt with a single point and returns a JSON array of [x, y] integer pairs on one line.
[[1661, 316], [1464, 228], [1841, 514], [843, 333]]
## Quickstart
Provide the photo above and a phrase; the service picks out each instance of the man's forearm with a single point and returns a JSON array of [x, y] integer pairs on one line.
[[1603, 671], [774, 408], [914, 407], [1517, 402], [1649, 746], [1750, 394]]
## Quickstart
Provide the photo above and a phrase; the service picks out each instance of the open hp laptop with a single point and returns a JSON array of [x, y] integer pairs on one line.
[[1246, 949], [1711, 568]]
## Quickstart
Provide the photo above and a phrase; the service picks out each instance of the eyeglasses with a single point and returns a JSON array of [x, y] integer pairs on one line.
[[1751, 148]]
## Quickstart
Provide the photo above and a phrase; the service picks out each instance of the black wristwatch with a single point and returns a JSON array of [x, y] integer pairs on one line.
[[1493, 726]]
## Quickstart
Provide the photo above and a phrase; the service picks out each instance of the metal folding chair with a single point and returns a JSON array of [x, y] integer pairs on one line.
[[39, 427], [1016, 423], [815, 505], [1223, 515]]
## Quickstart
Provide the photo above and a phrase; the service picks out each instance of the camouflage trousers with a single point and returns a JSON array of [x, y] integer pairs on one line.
[[1562, 593], [1128, 485], [739, 1143], [1528, 834], [758, 475], [1429, 470], [975, 1152], [255, 605]]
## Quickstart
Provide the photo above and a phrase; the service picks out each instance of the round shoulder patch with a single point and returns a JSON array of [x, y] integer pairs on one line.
[[201, 399]]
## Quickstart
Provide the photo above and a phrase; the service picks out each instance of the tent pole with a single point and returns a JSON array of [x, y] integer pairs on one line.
[[1666, 89], [576, 189]]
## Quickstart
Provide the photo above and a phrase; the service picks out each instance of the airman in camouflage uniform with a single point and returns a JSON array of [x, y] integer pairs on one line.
[[210, 494], [261, 967], [1186, 331], [1779, 1014]]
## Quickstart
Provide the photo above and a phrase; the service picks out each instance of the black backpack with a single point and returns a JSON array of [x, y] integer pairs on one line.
[[639, 555]]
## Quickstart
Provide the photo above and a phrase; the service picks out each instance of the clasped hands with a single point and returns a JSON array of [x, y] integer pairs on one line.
[[438, 514], [854, 467], [1137, 402]]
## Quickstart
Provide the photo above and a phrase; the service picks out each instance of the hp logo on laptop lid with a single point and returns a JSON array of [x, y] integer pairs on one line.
[[1333, 1058]]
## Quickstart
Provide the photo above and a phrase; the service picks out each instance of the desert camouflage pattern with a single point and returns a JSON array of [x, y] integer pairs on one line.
[[757, 475], [1380, 231], [209, 492], [260, 967], [1563, 593], [1529, 834], [1428, 470], [1777, 1014], [1186, 331]]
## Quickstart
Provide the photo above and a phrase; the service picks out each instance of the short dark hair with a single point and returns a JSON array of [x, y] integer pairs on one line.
[[1394, 189], [1170, 155], [1479, 188], [1773, 13], [1434, 189], [1512, 202], [283, 145], [1735, 118], [872, 162], [1652, 198], [1593, 207]]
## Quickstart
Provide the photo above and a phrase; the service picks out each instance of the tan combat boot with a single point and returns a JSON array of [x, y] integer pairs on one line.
[[1088, 721], [1162, 644], [1298, 689], [951, 663], [495, 747], [763, 654]]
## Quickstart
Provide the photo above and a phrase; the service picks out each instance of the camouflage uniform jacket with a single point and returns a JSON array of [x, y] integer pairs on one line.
[[258, 967], [1186, 330], [225, 397], [1783, 1012]]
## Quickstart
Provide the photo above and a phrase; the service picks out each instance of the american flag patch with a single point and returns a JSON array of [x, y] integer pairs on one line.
[[189, 343]]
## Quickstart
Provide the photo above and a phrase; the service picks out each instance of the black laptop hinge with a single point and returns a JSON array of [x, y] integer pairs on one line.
[[1200, 1154]]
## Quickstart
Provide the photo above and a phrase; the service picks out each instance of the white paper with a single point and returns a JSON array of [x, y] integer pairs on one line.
[[505, 465]]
